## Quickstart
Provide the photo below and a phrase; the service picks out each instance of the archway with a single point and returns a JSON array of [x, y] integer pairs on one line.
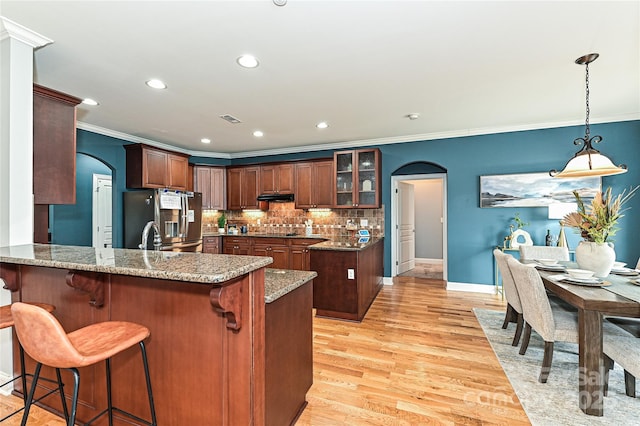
[[418, 220]]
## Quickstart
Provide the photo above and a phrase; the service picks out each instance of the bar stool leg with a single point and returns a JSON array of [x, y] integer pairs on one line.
[[152, 407], [109, 400], [23, 375], [62, 398], [27, 404], [74, 399]]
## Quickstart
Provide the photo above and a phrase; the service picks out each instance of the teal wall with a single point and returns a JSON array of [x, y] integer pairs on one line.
[[70, 224], [472, 232]]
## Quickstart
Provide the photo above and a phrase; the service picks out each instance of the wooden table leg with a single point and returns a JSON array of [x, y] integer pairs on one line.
[[591, 372]]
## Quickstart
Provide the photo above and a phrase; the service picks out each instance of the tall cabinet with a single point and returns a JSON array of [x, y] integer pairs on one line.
[[243, 184], [54, 154], [357, 174], [314, 184], [211, 182]]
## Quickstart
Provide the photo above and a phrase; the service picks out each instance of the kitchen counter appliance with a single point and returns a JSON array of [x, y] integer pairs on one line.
[[178, 215]]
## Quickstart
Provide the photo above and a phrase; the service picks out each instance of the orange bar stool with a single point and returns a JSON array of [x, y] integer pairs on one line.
[[6, 321], [44, 339]]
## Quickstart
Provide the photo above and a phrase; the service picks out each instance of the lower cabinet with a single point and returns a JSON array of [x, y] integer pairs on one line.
[[348, 281], [289, 355], [299, 256], [273, 247], [287, 253], [236, 245], [211, 245]]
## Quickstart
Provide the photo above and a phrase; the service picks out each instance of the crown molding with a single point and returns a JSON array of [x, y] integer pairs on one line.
[[355, 143], [13, 30]]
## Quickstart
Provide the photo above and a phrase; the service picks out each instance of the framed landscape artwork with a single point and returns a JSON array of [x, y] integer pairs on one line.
[[534, 189]]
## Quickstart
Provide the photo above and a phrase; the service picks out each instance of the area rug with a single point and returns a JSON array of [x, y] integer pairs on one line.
[[556, 402]]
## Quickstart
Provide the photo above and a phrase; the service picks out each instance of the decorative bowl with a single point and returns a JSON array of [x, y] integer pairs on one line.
[[618, 265], [581, 274], [548, 262]]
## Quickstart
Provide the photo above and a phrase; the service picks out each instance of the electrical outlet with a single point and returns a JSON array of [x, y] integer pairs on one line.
[[364, 222], [351, 274]]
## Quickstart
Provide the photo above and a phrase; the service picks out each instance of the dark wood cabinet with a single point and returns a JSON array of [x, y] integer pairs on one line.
[[357, 175], [314, 184], [236, 245], [287, 253], [299, 255], [337, 293], [275, 248], [243, 184], [211, 182], [276, 179], [190, 178], [150, 167], [54, 146], [211, 244], [289, 355]]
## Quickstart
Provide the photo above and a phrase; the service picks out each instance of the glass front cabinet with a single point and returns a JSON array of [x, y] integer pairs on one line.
[[357, 178]]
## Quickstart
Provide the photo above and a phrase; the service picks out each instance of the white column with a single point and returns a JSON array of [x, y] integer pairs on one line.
[[16, 150]]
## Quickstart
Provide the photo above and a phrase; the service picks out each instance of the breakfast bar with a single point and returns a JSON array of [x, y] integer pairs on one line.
[[230, 344]]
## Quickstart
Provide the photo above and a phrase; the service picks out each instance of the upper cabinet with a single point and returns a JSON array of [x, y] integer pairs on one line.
[[314, 184], [211, 182], [276, 179], [243, 184], [357, 181], [54, 146], [150, 167]]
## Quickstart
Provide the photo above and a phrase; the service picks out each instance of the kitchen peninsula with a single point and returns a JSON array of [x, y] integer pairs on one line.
[[350, 274], [230, 344]]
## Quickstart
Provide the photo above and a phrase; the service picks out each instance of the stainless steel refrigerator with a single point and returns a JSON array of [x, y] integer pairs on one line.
[[177, 214]]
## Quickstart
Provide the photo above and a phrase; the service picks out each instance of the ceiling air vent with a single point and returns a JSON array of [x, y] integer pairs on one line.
[[230, 118]]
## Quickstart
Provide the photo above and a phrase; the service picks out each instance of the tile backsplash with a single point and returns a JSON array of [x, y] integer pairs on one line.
[[282, 218]]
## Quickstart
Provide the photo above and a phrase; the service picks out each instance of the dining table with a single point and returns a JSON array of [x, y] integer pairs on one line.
[[618, 296]]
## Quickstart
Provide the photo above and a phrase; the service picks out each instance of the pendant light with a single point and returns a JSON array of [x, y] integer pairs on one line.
[[588, 161]]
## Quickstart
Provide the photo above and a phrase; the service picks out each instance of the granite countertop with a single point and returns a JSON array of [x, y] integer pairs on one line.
[[345, 244], [278, 282], [191, 267], [266, 235]]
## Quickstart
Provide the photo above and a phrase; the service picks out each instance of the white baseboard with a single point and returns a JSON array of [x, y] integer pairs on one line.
[[474, 288], [427, 260], [387, 280], [6, 389]]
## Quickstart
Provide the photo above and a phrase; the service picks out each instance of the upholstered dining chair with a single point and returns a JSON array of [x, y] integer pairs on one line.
[[551, 325], [514, 307], [624, 350], [544, 252]]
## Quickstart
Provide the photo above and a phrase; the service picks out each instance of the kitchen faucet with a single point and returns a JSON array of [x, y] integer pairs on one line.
[[157, 239]]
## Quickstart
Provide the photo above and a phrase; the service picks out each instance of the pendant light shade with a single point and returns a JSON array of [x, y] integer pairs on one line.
[[588, 161]]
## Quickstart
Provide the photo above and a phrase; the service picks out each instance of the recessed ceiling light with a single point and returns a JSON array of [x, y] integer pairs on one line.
[[322, 125], [247, 61], [205, 140], [89, 101], [156, 84], [258, 134]]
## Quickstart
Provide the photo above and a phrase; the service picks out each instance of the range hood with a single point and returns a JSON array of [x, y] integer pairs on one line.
[[277, 198]]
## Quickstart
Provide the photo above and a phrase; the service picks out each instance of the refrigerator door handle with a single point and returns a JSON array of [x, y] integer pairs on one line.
[[185, 215]]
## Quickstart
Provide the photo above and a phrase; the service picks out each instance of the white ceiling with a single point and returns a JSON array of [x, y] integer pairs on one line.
[[466, 67]]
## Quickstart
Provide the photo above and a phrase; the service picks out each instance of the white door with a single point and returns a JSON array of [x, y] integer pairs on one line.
[[406, 228], [102, 226]]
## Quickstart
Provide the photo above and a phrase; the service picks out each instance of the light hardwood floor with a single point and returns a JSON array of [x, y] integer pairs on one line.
[[418, 358]]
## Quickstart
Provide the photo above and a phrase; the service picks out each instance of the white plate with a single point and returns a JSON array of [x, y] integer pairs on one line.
[[549, 267], [585, 281], [624, 271], [636, 281]]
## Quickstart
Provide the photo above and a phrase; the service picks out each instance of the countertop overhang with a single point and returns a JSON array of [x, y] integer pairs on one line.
[[177, 266]]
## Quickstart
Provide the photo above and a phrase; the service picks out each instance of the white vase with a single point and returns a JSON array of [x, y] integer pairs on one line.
[[595, 257]]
